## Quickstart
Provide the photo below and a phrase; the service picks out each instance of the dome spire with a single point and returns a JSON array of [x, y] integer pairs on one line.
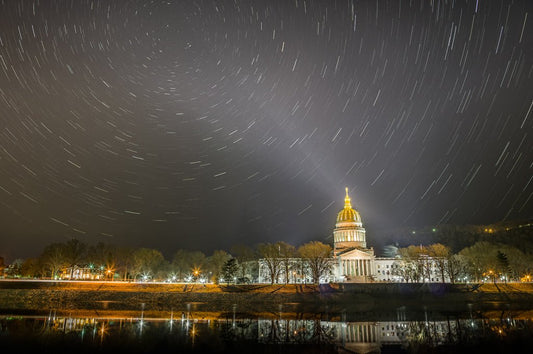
[[347, 201]]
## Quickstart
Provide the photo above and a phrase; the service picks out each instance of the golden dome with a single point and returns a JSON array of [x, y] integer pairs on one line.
[[348, 214]]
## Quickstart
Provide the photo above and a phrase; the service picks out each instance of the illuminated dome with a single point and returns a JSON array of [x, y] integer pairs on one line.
[[348, 214], [349, 231]]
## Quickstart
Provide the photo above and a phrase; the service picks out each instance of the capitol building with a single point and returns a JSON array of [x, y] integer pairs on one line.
[[352, 260], [355, 262]]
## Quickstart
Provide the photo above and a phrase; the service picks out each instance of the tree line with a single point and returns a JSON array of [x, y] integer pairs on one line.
[[111, 262], [480, 262], [281, 262]]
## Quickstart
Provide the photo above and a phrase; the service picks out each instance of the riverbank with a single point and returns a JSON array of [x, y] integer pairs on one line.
[[352, 299]]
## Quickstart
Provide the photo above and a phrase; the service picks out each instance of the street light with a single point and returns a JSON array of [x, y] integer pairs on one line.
[[196, 272], [109, 273]]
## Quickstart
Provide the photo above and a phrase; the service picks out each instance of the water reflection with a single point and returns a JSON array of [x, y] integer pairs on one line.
[[237, 334]]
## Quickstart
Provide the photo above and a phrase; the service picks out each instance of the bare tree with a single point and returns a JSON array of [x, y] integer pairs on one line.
[[53, 258], [125, 263], [271, 257], [318, 257], [455, 267], [417, 262], [103, 255], [480, 259], [147, 262], [286, 253], [440, 255], [215, 263], [75, 254], [187, 262]]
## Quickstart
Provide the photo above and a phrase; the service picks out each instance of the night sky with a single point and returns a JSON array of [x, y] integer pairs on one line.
[[204, 124]]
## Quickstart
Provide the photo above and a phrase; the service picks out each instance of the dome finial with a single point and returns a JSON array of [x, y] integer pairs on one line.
[[347, 201]]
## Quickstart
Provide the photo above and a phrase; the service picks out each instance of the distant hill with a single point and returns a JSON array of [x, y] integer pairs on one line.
[[513, 233]]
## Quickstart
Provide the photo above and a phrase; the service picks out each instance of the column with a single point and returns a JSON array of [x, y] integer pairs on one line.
[[343, 267]]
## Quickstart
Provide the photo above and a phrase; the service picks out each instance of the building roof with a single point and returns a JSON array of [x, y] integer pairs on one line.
[[348, 214]]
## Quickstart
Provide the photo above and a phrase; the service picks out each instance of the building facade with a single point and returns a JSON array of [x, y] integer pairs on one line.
[[388, 270], [354, 261]]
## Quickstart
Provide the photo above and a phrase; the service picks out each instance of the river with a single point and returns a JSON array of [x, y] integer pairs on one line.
[[187, 330]]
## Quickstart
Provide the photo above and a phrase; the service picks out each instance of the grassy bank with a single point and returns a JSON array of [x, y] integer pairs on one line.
[[41, 297]]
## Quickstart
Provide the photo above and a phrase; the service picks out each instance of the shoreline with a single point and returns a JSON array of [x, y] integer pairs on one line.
[[355, 300]]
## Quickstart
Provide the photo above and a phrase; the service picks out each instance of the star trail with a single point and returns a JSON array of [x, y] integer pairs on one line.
[[204, 124]]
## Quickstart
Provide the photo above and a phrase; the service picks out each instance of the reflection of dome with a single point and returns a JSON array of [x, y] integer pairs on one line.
[[348, 214]]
